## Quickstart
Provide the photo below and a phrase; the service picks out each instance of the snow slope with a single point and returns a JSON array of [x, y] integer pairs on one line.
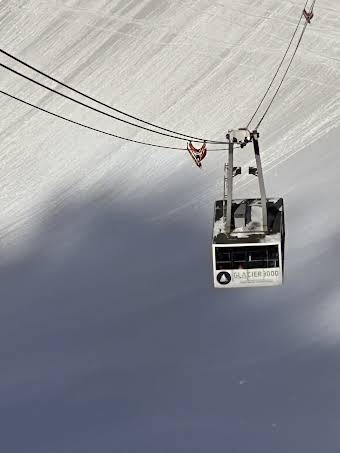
[[113, 338]]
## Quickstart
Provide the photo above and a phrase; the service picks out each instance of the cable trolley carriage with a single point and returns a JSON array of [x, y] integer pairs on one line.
[[248, 234]]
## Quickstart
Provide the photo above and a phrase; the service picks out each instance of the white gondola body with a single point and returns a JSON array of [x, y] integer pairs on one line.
[[248, 256]]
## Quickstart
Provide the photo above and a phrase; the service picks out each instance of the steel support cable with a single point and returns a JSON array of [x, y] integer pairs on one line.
[[89, 106], [183, 136], [286, 71], [95, 129], [278, 68]]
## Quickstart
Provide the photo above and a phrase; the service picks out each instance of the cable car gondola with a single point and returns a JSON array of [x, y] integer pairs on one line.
[[248, 234]]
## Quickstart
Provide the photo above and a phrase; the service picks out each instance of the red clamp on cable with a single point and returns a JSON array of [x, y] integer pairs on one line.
[[197, 154]]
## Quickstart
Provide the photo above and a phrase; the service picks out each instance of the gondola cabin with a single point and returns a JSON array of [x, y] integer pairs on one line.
[[249, 255]]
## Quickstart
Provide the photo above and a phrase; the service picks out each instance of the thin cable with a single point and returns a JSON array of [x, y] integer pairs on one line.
[[84, 125], [288, 67], [94, 129], [184, 136], [85, 105], [278, 68]]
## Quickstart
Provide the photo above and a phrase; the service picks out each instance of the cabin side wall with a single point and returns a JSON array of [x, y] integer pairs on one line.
[[241, 278]]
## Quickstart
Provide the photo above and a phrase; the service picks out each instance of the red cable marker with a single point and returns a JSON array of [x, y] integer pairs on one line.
[[197, 154], [308, 15]]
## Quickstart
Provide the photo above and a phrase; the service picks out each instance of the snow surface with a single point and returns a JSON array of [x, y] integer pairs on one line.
[[112, 336]]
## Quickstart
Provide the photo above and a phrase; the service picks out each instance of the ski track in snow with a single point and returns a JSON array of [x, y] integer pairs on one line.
[[112, 336]]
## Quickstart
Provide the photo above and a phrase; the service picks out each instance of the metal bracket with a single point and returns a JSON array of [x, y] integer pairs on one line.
[[240, 136], [237, 171], [253, 171]]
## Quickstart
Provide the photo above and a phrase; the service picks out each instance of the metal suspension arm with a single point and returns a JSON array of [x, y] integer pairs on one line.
[[261, 181], [230, 187]]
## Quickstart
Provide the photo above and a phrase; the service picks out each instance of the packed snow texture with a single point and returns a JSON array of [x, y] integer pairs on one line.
[[112, 336]]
